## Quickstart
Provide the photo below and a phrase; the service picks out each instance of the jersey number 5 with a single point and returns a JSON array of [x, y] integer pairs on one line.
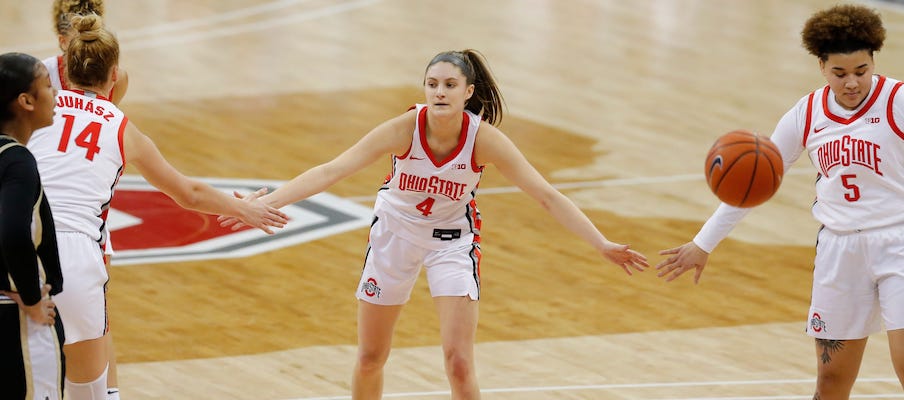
[[87, 139], [853, 191]]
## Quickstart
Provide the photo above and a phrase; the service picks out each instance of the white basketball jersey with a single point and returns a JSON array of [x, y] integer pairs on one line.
[[80, 158], [54, 67], [859, 156], [429, 201]]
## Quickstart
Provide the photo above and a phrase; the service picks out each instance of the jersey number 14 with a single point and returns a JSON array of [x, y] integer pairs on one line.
[[86, 139]]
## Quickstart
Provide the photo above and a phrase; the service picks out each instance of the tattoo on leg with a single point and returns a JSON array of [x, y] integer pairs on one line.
[[829, 347], [816, 396]]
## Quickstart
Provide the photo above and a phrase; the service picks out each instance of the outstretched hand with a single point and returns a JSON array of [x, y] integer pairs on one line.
[[683, 258], [624, 257], [43, 312], [256, 214]]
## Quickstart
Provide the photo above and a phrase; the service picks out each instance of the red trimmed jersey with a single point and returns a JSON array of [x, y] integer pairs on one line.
[[859, 155], [426, 199], [80, 158]]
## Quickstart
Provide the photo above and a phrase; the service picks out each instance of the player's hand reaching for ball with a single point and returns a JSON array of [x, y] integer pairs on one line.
[[624, 257], [682, 259]]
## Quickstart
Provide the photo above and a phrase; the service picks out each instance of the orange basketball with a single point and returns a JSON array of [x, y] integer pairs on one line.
[[744, 169]]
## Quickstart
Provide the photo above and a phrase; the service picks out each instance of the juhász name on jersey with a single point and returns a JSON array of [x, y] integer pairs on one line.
[[847, 151], [431, 185], [87, 106]]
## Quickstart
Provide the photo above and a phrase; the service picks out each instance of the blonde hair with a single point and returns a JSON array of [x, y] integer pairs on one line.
[[92, 52], [64, 10]]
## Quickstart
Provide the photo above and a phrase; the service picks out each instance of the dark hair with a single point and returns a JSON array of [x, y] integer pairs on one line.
[[487, 100], [843, 29], [17, 74], [92, 51]]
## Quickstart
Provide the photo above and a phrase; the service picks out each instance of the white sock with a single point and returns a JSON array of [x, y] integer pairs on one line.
[[112, 393], [96, 390]]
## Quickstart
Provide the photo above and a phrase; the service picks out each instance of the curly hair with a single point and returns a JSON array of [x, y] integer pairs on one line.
[[63, 10], [843, 29]]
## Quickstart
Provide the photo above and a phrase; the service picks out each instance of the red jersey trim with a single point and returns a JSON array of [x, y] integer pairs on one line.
[[474, 167], [62, 72], [869, 103], [120, 135], [890, 111], [462, 137], [809, 118]]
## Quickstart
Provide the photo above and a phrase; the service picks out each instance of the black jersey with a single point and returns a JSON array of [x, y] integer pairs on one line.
[[28, 247]]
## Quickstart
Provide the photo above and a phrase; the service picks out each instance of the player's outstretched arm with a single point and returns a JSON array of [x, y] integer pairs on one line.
[[192, 194], [390, 137], [493, 147]]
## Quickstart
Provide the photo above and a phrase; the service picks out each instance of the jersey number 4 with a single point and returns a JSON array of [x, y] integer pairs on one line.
[[86, 139], [425, 206]]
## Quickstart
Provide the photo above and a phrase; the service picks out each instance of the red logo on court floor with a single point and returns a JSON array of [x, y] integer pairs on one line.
[[147, 226], [163, 222]]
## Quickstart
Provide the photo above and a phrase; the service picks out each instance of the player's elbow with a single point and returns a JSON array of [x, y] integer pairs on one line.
[[190, 197]]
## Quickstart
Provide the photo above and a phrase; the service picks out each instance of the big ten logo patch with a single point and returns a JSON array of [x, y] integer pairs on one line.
[[146, 226]]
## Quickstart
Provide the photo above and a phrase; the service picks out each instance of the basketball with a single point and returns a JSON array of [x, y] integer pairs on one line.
[[744, 169]]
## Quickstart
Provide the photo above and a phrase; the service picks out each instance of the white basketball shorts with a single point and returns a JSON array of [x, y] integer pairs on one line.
[[858, 283], [392, 265], [82, 304]]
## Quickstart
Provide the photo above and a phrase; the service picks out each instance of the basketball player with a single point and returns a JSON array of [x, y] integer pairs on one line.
[[62, 11], [853, 132], [425, 214], [81, 157], [31, 334]]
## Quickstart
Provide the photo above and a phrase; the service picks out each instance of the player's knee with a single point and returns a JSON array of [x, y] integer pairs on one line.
[[369, 361], [833, 383], [458, 367], [94, 390]]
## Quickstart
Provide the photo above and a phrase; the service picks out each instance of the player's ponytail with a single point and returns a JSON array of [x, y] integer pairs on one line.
[[487, 100]]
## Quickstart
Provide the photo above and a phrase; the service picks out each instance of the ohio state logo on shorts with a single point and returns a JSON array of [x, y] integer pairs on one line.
[[816, 323], [370, 288]]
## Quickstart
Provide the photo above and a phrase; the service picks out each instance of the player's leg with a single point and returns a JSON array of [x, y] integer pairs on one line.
[[391, 267], [86, 369], [896, 346], [844, 310], [889, 250], [838, 362], [454, 277], [458, 328], [375, 326], [82, 306], [112, 373]]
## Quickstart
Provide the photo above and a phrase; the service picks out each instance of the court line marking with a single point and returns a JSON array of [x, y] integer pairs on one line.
[[525, 389], [213, 19], [177, 37], [644, 180], [231, 30]]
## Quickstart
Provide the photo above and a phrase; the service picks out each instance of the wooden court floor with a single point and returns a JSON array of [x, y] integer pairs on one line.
[[616, 102]]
